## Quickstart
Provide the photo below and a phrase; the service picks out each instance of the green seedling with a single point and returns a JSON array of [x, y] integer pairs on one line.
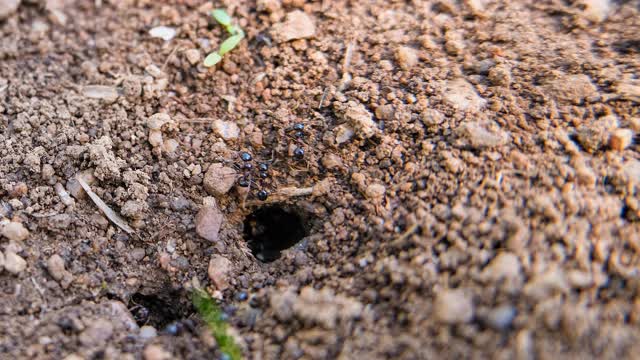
[[230, 43], [210, 312]]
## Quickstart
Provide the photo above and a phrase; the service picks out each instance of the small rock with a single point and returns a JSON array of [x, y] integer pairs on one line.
[[155, 71], [208, 222], [156, 121], [572, 88], [148, 332], [55, 266], [297, 25], [453, 307], [228, 130], [360, 119], [155, 138], [628, 90], [19, 190], [15, 231], [193, 56], [478, 137], [97, 332], [620, 139], [505, 266], [593, 135], [460, 94], [219, 179], [218, 271], [432, 117], [501, 317], [13, 263], [137, 254], [544, 285], [134, 209], [73, 186], [332, 161], [163, 32], [500, 75], [8, 7], [269, 6], [170, 146], [375, 191], [156, 352], [407, 57], [595, 10], [102, 92], [579, 279], [282, 304], [344, 133]]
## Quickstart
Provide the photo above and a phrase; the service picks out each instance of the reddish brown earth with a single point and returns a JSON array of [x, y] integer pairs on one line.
[[469, 188]]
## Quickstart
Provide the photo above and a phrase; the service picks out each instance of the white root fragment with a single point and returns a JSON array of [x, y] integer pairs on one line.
[[64, 195], [294, 191], [111, 215]]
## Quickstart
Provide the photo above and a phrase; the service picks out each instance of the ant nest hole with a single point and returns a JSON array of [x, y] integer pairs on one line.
[[273, 228]]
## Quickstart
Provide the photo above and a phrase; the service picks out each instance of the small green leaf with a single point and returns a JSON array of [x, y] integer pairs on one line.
[[222, 17], [212, 59], [229, 44]]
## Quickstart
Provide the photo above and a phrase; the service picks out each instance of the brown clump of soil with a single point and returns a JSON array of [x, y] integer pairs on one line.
[[460, 177]]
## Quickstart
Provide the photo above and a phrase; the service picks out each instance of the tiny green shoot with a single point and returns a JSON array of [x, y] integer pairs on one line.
[[230, 43], [210, 312]]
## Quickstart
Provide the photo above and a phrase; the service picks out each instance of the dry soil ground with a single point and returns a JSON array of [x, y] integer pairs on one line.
[[469, 188]]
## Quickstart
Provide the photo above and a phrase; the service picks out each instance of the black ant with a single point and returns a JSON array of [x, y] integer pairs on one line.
[[298, 133], [246, 179]]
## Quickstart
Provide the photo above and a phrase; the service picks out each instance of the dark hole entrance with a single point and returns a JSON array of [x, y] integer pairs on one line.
[[271, 229], [159, 309]]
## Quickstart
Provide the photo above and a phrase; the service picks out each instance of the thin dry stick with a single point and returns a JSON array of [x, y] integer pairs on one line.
[[169, 57], [111, 215]]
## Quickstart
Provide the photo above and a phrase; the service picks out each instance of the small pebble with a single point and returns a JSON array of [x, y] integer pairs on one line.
[[8, 7], [15, 231], [298, 126], [156, 352], [219, 179], [620, 139], [193, 56], [157, 120], [218, 271], [101, 92], [55, 266], [208, 222], [453, 307], [148, 332], [297, 25], [263, 167], [163, 32], [501, 317], [407, 57], [227, 130]]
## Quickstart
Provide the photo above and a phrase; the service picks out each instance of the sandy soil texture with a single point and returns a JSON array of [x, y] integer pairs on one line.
[[356, 180]]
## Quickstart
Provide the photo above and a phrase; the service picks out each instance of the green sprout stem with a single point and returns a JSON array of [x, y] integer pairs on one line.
[[211, 314], [230, 43]]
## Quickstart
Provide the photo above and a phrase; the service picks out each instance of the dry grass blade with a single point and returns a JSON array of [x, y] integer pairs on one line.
[[111, 215]]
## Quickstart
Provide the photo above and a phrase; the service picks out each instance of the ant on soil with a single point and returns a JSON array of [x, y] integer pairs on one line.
[[249, 177]]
